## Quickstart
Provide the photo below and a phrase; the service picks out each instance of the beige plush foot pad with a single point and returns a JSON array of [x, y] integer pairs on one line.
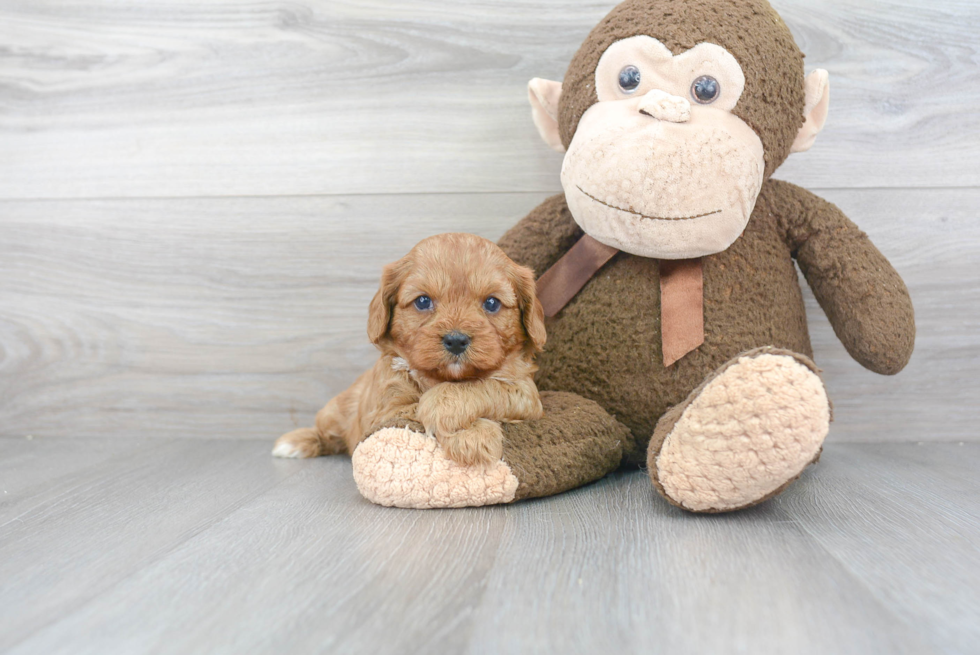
[[398, 467], [751, 430]]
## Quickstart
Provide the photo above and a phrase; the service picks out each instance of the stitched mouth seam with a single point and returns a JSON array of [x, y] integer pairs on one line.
[[652, 218]]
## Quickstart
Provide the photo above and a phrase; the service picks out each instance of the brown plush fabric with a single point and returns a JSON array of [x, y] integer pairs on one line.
[[773, 101], [605, 345], [576, 442], [560, 283], [863, 296]]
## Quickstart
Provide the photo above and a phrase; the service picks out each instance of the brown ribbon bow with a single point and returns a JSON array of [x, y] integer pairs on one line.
[[681, 293]]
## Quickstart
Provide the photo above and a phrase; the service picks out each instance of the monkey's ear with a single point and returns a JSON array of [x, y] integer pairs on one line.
[[544, 96], [379, 312], [815, 111]]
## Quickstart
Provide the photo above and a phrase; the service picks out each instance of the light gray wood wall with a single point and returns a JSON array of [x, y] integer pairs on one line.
[[196, 198]]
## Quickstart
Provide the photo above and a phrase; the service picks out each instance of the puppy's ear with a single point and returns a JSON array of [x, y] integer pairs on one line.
[[532, 313], [383, 303]]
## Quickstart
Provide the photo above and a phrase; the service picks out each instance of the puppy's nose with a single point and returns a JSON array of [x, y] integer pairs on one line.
[[456, 342]]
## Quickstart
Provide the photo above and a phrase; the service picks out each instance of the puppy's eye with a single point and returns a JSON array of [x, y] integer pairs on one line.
[[629, 79], [423, 303], [491, 305], [705, 89]]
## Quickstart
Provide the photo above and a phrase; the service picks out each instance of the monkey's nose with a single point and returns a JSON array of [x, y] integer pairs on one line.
[[456, 342], [666, 107]]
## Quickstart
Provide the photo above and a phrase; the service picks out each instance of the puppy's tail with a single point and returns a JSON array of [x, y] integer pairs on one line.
[[301, 443]]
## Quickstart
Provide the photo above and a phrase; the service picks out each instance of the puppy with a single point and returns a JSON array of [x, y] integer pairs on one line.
[[458, 324]]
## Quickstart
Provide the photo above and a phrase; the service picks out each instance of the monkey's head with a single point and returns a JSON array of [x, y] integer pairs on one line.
[[672, 115]]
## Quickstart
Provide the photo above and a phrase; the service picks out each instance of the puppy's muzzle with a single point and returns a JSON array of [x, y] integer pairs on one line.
[[456, 343]]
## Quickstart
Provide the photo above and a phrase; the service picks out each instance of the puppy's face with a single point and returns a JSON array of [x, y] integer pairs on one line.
[[456, 307]]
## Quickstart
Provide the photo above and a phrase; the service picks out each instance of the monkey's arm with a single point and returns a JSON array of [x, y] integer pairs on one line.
[[543, 236], [863, 296]]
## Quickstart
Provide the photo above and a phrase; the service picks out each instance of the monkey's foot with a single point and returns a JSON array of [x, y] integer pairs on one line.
[[399, 467], [744, 435]]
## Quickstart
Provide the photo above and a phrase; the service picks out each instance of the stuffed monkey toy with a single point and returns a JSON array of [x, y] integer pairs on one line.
[[677, 336]]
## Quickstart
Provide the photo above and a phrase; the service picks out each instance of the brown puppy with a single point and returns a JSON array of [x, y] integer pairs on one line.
[[458, 325]]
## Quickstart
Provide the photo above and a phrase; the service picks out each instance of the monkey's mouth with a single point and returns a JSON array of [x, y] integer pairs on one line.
[[652, 218]]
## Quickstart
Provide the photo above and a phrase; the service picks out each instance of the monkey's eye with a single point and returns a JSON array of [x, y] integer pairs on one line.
[[629, 79], [423, 303], [491, 305], [705, 89]]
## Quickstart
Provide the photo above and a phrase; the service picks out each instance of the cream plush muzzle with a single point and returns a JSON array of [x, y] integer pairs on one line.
[[652, 170], [662, 188]]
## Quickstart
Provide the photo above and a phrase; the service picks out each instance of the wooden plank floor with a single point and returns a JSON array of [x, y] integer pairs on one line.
[[208, 546]]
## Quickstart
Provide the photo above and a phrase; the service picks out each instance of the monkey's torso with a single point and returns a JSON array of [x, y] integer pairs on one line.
[[605, 344]]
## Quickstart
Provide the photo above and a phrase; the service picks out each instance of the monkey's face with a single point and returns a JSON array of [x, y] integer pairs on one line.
[[660, 166], [671, 124]]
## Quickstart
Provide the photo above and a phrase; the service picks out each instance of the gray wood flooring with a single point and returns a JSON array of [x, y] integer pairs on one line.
[[212, 546]]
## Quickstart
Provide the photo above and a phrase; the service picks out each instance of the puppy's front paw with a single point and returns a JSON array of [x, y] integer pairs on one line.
[[443, 411], [301, 443], [480, 444]]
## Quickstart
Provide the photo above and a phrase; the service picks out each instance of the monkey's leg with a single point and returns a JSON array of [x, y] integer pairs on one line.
[[742, 436], [574, 443]]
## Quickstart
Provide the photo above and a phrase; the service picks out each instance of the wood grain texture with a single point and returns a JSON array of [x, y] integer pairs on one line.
[[88, 530], [32, 469], [872, 551], [642, 577], [901, 495], [235, 318], [224, 98]]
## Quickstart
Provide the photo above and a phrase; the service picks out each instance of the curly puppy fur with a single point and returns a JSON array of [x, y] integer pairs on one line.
[[459, 397]]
